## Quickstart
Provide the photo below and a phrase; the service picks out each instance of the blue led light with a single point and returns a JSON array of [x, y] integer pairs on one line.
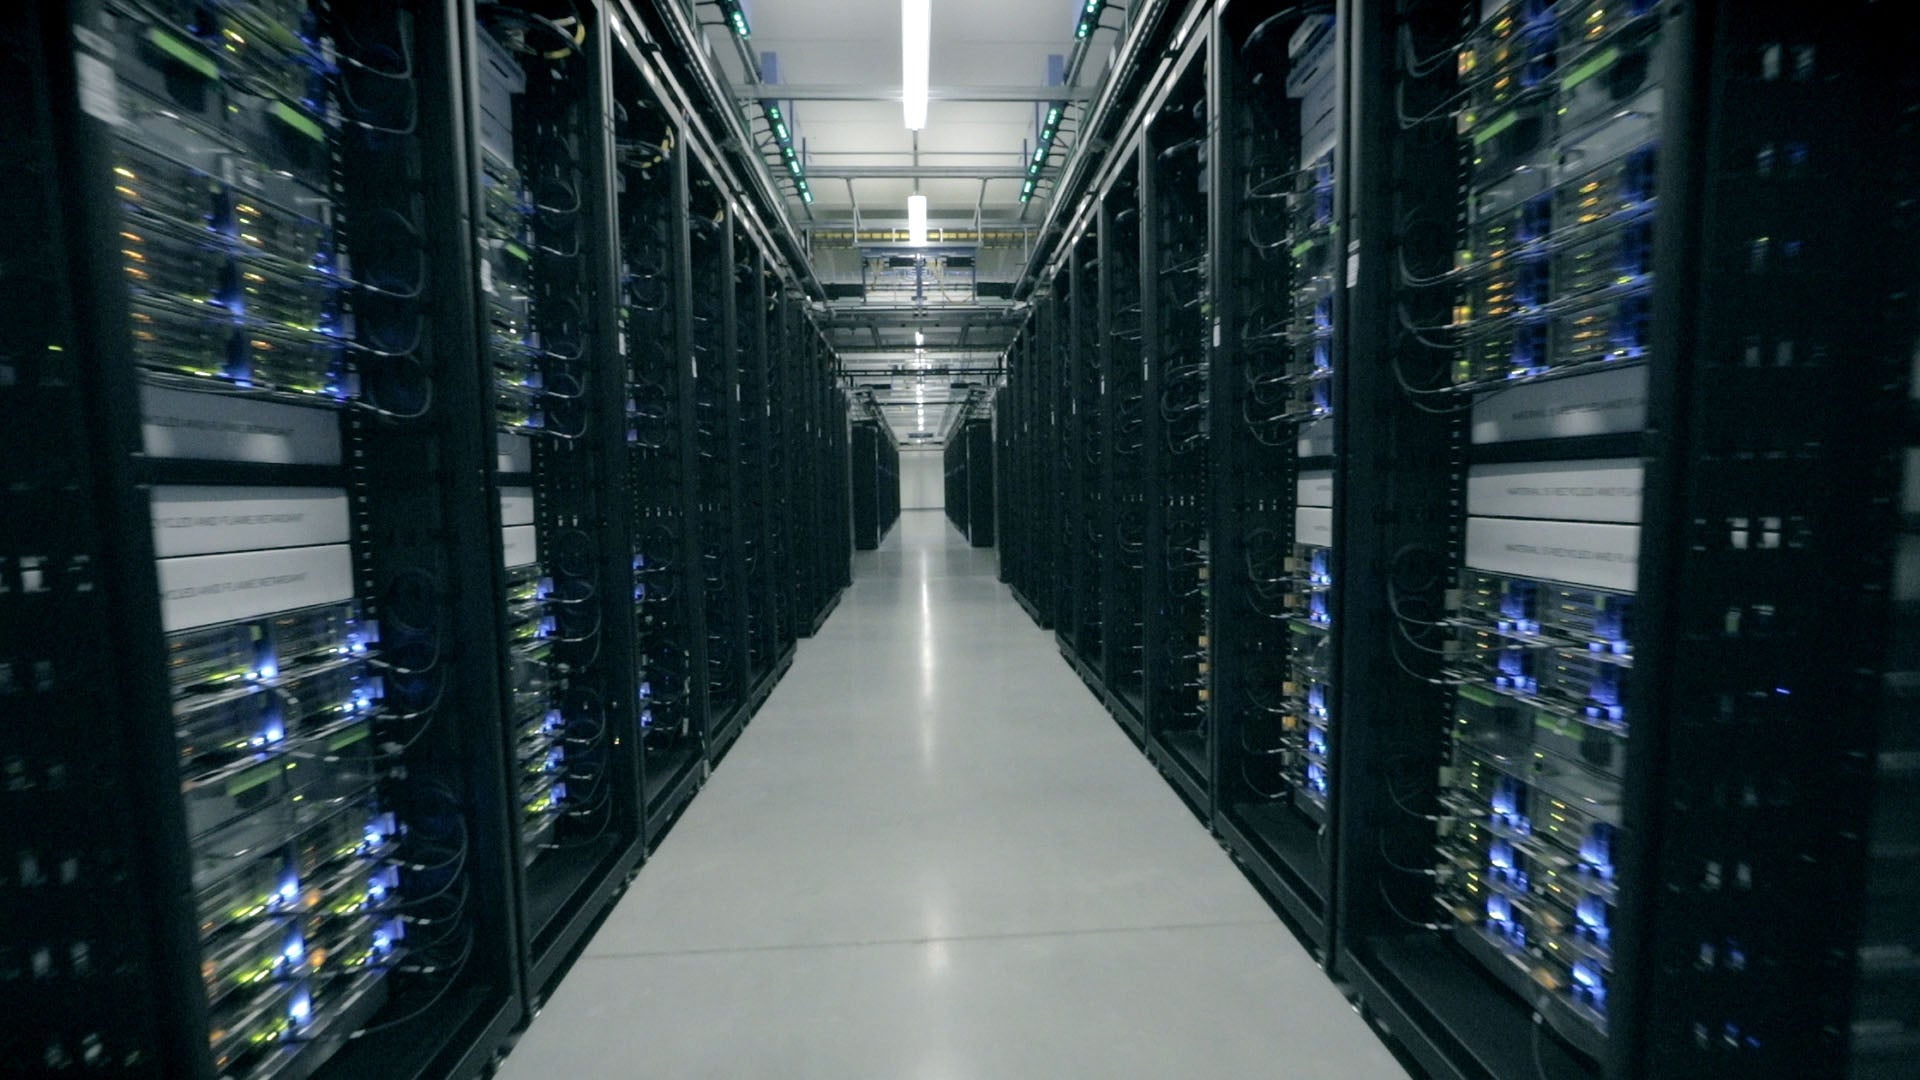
[[301, 1007]]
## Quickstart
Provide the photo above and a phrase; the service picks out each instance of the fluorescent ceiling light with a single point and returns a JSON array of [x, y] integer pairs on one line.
[[916, 217], [916, 58], [919, 339]]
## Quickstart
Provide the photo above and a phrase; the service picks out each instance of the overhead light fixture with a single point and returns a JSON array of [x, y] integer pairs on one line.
[[1049, 131], [919, 339], [783, 140], [917, 217], [916, 59], [1089, 18], [736, 18]]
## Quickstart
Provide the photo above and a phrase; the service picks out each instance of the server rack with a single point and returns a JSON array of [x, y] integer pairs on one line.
[[1032, 540], [867, 529], [279, 604], [548, 263], [981, 508], [1275, 381], [876, 482], [1124, 422], [1082, 449], [953, 461], [368, 475], [968, 461], [1623, 821], [1176, 295], [1057, 462], [663, 462], [1530, 448]]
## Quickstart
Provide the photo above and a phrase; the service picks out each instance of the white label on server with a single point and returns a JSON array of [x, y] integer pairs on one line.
[[1579, 553], [206, 520], [519, 546], [516, 506], [1316, 439], [1314, 488], [1560, 491], [1313, 526], [1604, 403], [515, 454], [216, 427], [202, 590], [99, 90]]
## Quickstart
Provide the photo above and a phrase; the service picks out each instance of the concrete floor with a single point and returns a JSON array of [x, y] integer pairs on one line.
[[934, 855]]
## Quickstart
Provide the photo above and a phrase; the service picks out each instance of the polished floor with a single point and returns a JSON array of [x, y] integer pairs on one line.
[[931, 856]]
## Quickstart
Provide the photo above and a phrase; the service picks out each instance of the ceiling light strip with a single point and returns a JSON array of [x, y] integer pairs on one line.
[[916, 60]]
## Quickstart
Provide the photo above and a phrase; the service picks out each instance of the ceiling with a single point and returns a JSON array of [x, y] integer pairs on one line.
[[833, 69]]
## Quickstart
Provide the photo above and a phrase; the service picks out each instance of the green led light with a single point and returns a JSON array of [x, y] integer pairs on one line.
[[806, 196], [773, 111], [1040, 154], [1026, 188], [739, 20], [1053, 116], [787, 152], [780, 131], [794, 167]]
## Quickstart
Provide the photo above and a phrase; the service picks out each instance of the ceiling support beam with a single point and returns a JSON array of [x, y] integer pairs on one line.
[[1011, 171], [891, 93]]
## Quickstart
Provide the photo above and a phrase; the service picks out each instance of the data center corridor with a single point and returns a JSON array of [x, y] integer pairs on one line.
[[932, 854]]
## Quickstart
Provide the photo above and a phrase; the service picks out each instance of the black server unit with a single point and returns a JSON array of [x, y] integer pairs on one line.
[[1123, 402], [1275, 384], [1177, 294], [979, 487], [1623, 270], [294, 736], [662, 453]]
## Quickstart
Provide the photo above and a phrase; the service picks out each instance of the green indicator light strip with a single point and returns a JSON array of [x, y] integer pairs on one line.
[[1601, 61], [299, 121], [1483, 697], [357, 733], [185, 53], [517, 251], [1480, 137], [253, 778]]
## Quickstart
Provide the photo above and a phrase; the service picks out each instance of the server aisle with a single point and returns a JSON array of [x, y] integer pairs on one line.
[[1046, 909]]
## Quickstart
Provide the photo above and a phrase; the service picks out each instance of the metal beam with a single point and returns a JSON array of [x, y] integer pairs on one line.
[[1013, 171], [891, 93]]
